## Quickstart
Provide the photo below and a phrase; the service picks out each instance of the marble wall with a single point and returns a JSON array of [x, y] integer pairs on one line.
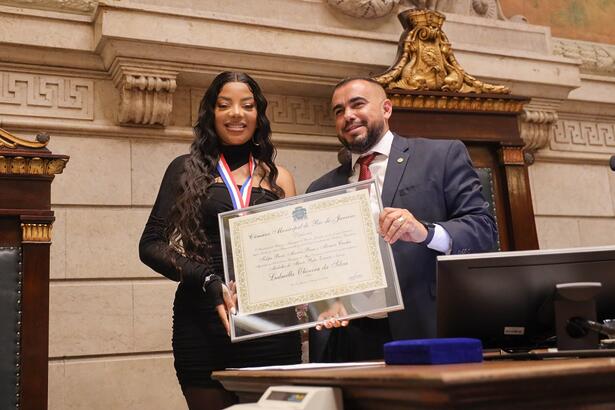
[[79, 70]]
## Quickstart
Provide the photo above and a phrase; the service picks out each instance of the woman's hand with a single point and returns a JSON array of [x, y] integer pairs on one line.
[[229, 297], [330, 317]]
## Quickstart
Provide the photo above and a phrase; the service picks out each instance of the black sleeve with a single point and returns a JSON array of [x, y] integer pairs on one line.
[[154, 248]]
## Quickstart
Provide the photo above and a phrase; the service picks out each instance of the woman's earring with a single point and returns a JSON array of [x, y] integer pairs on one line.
[[256, 144]]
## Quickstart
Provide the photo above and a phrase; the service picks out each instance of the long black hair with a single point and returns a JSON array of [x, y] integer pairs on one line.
[[185, 221]]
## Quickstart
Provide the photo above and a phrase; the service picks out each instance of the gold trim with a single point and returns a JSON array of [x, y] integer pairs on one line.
[[425, 59], [512, 156], [35, 232], [9, 140], [32, 166], [453, 103]]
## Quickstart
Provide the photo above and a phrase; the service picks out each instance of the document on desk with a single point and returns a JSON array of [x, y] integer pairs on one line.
[[310, 366], [305, 252]]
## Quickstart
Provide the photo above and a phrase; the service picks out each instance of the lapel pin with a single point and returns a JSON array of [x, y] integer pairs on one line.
[[400, 160]]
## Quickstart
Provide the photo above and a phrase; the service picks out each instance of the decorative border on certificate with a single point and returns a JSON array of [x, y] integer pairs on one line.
[[306, 252]]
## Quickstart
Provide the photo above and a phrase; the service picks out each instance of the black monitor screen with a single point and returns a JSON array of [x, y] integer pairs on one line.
[[505, 298]]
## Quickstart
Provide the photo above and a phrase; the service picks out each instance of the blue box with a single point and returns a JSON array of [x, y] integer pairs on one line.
[[433, 351]]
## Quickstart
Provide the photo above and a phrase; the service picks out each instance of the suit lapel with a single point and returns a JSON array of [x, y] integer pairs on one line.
[[341, 175], [398, 161]]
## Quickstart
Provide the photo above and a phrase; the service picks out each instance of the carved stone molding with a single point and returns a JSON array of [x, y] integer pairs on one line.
[[73, 6], [595, 58], [288, 114], [535, 128], [289, 111], [36, 95], [31, 232], [369, 9], [583, 136], [425, 59], [365, 8], [146, 93]]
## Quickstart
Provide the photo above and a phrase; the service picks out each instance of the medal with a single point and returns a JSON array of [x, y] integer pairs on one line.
[[240, 197]]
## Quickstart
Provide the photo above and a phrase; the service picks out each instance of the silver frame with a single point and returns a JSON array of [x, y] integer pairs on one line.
[[393, 298]]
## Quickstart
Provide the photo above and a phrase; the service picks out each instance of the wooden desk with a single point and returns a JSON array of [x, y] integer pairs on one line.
[[548, 384]]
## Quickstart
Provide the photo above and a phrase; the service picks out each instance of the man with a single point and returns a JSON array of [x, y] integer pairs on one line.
[[433, 205]]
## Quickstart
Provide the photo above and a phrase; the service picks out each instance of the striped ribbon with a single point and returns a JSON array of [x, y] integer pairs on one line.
[[240, 197]]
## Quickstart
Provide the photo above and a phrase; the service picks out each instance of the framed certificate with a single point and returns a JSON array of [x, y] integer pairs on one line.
[[301, 260]]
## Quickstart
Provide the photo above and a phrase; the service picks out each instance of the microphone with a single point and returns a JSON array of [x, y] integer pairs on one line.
[[579, 327], [612, 163]]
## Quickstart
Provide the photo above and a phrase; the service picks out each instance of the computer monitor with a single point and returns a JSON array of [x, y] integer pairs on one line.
[[506, 298]]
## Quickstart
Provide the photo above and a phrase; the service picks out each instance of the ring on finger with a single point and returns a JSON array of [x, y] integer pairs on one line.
[[401, 220]]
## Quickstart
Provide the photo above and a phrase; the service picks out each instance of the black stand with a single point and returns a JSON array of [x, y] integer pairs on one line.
[[575, 302]]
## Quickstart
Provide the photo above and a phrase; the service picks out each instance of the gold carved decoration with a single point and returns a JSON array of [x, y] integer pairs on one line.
[[425, 59], [31, 166], [8, 140], [22, 157], [512, 156], [455, 103], [35, 232]]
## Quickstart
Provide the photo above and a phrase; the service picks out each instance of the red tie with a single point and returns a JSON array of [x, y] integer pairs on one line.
[[364, 161]]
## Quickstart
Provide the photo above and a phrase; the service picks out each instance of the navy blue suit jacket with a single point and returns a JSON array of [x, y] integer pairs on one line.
[[436, 183]]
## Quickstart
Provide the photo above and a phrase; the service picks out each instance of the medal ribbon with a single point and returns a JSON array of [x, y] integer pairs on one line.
[[240, 198]]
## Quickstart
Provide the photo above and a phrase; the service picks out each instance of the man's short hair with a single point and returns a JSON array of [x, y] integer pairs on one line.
[[358, 78]]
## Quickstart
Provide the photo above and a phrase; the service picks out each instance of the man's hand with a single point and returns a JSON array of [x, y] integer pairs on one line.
[[397, 223], [330, 316], [229, 295]]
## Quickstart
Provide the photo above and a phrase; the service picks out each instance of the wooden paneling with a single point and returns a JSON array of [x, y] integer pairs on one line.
[[493, 141]]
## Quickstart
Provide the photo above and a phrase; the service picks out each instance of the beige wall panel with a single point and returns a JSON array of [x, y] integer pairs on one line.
[[306, 165], [612, 186], [56, 385], [97, 172], [150, 159], [557, 232], [153, 315], [88, 319], [128, 383], [597, 231], [107, 98], [57, 262], [181, 116], [104, 243], [570, 189]]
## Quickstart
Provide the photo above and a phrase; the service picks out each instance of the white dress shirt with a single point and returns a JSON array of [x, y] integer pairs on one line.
[[441, 240]]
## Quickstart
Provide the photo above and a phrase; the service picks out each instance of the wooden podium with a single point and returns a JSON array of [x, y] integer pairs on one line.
[[27, 169]]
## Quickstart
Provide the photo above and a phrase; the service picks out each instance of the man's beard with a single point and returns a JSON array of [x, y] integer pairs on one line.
[[362, 145]]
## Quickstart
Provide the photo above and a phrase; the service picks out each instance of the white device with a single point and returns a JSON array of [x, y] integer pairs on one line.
[[296, 397]]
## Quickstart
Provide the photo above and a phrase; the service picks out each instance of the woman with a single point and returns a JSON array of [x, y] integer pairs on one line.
[[181, 238]]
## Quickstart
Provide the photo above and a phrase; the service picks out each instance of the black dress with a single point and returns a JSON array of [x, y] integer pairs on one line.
[[200, 342]]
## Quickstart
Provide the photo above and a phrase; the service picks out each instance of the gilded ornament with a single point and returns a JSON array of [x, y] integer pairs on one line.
[[55, 166], [8, 140], [425, 60], [35, 232]]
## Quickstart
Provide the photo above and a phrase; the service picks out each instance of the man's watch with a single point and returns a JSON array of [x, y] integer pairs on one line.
[[431, 230]]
